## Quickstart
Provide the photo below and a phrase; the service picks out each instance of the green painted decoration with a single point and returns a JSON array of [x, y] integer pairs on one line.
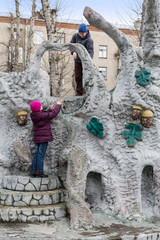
[[96, 127], [83, 82], [133, 134], [143, 77]]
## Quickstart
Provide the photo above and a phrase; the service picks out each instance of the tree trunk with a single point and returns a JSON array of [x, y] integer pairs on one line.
[[50, 19], [30, 35], [151, 33], [17, 35], [11, 45], [142, 21]]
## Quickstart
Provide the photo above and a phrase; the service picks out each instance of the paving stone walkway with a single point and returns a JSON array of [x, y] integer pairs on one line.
[[107, 228]]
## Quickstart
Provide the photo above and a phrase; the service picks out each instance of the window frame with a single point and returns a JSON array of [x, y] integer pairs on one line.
[[20, 54], [105, 77], [36, 36], [101, 51]]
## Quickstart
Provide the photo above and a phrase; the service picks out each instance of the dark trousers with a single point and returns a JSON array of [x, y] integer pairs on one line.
[[38, 159], [78, 78]]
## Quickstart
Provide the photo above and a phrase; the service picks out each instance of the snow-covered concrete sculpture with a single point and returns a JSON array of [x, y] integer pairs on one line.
[[106, 172]]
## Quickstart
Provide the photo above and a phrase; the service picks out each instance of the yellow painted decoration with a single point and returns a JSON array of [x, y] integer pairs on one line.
[[22, 113], [137, 107], [147, 113]]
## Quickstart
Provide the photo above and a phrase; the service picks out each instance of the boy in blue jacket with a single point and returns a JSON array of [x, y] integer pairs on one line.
[[83, 37]]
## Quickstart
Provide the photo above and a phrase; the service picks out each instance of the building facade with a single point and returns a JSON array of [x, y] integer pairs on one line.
[[106, 54]]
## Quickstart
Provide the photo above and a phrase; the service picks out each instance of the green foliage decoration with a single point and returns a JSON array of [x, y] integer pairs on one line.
[[133, 134], [143, 77], [96, 127]]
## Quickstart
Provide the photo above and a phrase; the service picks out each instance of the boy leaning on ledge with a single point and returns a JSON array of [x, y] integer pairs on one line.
[[42, 133]]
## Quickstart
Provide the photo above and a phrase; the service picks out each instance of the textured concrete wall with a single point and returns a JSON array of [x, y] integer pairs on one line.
[[16, 142]]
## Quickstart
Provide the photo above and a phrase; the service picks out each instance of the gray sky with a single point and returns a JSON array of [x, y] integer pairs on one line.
[[115, 11]]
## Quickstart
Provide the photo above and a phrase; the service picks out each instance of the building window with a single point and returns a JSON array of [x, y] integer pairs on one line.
[[59, 38], [102, 51], [38, 37], [20, 52], [103, 71]]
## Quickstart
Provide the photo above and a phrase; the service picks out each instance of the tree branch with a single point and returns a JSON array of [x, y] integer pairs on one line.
[[118, 37]]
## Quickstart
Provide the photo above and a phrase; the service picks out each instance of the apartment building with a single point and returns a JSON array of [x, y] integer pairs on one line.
[[106, 55]]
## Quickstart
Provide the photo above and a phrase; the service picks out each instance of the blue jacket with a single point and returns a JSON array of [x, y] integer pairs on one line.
[[87, 42]]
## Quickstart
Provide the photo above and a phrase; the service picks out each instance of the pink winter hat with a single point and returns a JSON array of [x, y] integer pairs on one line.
[[35, 106]]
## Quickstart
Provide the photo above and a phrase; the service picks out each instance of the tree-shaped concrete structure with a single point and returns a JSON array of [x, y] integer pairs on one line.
[[105, 171]]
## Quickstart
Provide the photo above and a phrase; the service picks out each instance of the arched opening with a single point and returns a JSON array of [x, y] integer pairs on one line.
[[148, 191], [94, 189], [62, 174]]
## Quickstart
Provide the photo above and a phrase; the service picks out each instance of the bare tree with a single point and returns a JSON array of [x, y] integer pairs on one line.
[[50, 19], [135, 12], [11, 52], [58, 62], [16, 40], [30, 35], [17, 35], [62, 64], [142, 20], [139, 10]]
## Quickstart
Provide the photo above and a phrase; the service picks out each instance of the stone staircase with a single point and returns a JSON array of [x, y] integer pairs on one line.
[[26, 199]]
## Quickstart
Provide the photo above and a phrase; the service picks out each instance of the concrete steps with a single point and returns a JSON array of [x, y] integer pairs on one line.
[[26, 199], [20, 183], [32, 213], [22, 199]]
